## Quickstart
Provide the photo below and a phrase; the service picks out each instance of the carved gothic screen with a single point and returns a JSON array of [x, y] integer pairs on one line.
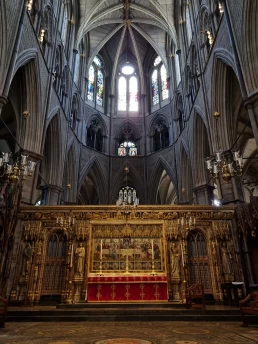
[[199, 271], [54, 273], [121, 248]]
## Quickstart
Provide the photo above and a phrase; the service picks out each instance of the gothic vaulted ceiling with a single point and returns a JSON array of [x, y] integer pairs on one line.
[[134, 28]]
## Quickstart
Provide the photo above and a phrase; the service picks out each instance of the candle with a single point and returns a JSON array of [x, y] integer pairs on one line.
[[182, 252], [152, 249], [71, 261], [101, 249]]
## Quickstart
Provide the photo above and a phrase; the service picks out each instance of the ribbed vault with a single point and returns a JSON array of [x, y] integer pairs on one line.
[[137, 26]]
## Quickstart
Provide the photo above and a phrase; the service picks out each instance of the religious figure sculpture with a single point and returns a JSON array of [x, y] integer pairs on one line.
[[174, 260], [226, 259], [26, 258], [80, 255]]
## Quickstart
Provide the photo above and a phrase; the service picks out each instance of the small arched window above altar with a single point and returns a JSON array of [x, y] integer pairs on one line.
[[127, 195], [127, 148]]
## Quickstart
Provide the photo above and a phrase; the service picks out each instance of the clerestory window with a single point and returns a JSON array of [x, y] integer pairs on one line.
[[128, 89], [159, 82], [96, 82]]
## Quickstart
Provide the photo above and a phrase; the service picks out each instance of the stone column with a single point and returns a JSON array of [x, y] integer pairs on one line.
[[29, 185], [232, 191], [251, 104], [203, 194], [3, 102], [54, 195]]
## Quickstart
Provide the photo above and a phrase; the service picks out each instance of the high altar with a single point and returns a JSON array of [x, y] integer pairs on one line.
[[112, 254]]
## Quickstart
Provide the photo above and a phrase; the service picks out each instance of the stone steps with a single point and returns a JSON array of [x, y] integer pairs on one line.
[[122, 312]]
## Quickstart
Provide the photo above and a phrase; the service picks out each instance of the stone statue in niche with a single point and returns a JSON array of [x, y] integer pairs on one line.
[[226, 259], [174, 260], [80, 255], [26, 258]]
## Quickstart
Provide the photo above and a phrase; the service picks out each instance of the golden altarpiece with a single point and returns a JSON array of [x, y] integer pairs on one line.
[[108, 254]]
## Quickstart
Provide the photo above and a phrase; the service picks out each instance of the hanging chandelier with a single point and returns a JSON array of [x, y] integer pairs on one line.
[[228, 164]]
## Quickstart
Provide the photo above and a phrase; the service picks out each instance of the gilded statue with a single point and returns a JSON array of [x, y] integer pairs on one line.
[[26, 258], [80, 255], [174, 260]]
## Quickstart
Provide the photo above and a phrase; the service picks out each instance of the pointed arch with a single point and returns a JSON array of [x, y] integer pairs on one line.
[[200, 150], [27, 67], [222, 131], [3, 43], [159, 132], [129, 130], [71, 175], [249, 39], [160, 166], [133, 179], [186, 179], [94, 170], [52, 163]]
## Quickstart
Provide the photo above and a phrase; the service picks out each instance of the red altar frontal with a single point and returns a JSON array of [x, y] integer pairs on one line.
[[127, 288]]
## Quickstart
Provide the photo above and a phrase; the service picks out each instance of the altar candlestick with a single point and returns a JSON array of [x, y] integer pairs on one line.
[[101, 249], [182, 252], [152, 249]]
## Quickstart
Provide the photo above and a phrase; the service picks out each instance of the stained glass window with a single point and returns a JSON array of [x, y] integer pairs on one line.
[[76, 69], [177, 67], [97, 61], [127, 195], [155, 87], [133, 94], [121, 151], [91, 83], [127, 148], [100, 88], [122, 94], [188, 25], [164, 82], [127, 70], [157, 61], [64, 25]]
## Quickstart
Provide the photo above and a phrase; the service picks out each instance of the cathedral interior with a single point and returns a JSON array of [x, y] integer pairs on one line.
[[129, 166]]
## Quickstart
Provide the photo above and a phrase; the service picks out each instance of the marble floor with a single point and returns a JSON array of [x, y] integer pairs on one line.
[[128, 333]]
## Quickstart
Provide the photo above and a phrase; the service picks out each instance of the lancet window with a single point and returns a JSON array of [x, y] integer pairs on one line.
[[74, 112], [159, 82], [188, 24], [128, 90], [96, 82]]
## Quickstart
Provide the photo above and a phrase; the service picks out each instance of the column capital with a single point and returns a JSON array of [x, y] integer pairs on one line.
[[251, 100], [34, 155], [3, 100]]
